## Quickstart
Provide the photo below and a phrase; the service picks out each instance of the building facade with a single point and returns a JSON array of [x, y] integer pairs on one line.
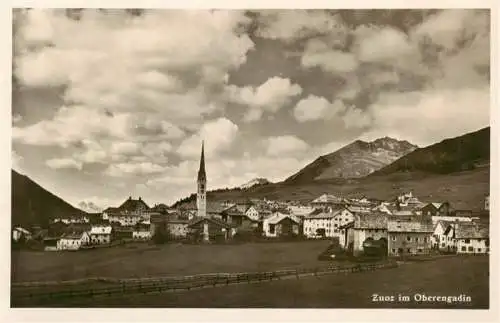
[[409, 237]]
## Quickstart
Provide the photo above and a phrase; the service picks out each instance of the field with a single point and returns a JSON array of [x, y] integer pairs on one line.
[[143, 260], [464, 190], [466, 275]]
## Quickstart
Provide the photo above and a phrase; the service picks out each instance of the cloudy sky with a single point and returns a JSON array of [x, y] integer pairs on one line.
[[112, 103]]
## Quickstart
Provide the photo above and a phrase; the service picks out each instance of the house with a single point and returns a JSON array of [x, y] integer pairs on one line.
[[301, 211], [319, 225], [407, 199], [327, 224], [20, 233], [365, 227], [73, 241], [409, 237], [122, 232], [253, 213], [237, 217], [76, 219], [129, 213], [206, 229], [327, 200], [100, 234], [438, 239], [450, 218], [141, 232], [280, 225], [467, 238], [436, 209]]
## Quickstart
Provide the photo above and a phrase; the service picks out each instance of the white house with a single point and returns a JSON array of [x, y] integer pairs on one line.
[[126, 219], [19, 232], [72, 220], [100, 234], [319, 225], [252, 213], [280, 224], [327, 224], [467, 238], [73, 241]]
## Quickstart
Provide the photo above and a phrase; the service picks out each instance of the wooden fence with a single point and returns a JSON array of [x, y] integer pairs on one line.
[[28, 293]]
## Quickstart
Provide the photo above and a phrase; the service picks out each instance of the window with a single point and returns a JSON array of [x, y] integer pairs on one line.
[[488, 249], [416, 239], [420, 250], [471, 249], [443, 244], [478, 249], [400, 250], [467, 240], [408, 238], [393, 238], [408, 250], [425, 239], [393, 250], [272, 228]]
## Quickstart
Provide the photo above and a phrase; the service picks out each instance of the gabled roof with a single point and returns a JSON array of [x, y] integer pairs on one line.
[[132, 205], [409, 226], [76, 234], [466, 230], [278, 217], [374, 220], [328, 198], [196, 220]]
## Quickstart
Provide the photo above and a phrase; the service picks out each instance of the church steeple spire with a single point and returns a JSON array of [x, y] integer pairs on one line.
[[201, 196], [202, 176]]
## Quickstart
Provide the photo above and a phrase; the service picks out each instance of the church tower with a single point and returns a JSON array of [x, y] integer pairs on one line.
[[201, 196]]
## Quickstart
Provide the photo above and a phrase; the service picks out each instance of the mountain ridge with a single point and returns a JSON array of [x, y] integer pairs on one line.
[[354, 160]]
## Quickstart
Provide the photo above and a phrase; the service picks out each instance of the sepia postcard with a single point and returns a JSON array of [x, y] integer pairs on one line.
[[290, 159]]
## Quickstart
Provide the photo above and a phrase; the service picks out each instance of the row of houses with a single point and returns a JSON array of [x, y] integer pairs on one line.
[[327, 216]]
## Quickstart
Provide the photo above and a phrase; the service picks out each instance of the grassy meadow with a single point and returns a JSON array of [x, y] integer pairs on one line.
[[466, 275], [144, 260]]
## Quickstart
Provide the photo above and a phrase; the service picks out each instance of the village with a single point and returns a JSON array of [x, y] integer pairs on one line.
[[357, 226]]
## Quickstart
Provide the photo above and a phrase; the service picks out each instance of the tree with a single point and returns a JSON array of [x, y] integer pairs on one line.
[[161, 235]]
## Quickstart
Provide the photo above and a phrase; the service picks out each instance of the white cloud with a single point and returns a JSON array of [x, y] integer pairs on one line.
[[125, 148], [321, 54], [218, 134], [64, 163], [268, 97], [422, 117], [131, 169], [71, 125], [316, 108], [290, 25], [115, 64], [284, 145], [382, 44]]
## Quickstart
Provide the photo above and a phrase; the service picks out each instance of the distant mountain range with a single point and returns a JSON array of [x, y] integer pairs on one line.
[[466, 152], [34, 205], [371, 168], [255, 181], [355, 160]]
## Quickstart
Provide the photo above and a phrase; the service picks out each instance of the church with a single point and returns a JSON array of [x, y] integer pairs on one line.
[[207, 228], [201, 196]]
